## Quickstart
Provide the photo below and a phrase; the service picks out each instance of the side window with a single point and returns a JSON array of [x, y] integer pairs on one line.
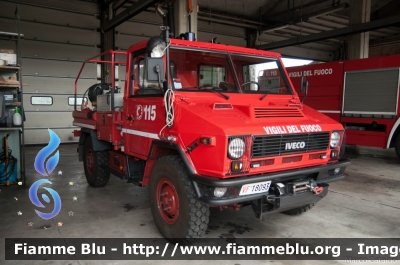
[[137, 72], [211, 75], [132, 75], [141, 68], [147, 85]]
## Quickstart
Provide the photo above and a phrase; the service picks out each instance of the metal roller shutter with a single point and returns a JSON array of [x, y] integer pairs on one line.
[[371, 92], [58, 36]]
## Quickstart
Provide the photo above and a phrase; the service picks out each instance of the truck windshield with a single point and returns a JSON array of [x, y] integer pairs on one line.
[[201, 70], [260, 75], [198, 70]]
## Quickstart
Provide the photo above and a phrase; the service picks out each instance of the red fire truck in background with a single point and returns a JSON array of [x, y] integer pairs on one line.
[[193, 125], [362, 94]]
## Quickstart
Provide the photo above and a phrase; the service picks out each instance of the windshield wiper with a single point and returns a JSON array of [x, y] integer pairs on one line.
[[263, 96], [203, 88], [213, 90]]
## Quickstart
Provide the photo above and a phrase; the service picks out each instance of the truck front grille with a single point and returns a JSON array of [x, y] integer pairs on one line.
[[273, 145]]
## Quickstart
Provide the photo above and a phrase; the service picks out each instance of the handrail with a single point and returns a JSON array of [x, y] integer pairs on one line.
[[92, 60]]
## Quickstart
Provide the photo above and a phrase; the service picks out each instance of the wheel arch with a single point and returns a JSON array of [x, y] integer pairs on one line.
[[98, 145], [159, 149], [394, 133]]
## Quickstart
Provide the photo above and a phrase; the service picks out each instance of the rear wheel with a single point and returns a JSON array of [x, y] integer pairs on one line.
[[300, 210], [397, 146], [179, 216], [93, 161]]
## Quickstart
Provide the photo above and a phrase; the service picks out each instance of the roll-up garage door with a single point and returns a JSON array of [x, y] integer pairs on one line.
[[58, 36]]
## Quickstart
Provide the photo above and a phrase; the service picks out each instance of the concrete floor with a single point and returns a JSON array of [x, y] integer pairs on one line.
[[365, 204]]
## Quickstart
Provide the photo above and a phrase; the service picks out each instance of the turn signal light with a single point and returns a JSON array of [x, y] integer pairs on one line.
[[205, 140], [334, 154], [236, 166]]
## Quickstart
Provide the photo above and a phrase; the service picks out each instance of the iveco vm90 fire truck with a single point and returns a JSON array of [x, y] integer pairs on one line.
[[194, 125]]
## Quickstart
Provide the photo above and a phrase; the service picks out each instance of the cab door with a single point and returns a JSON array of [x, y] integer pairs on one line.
[[144, 111]]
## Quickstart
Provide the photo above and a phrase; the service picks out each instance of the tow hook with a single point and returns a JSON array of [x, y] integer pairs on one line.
[[317, 190]]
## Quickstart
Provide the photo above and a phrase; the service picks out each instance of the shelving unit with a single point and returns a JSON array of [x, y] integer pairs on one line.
[[12, 136]]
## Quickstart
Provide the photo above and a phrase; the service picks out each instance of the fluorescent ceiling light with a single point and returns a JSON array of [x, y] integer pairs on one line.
[[276, 28], [328, 12]]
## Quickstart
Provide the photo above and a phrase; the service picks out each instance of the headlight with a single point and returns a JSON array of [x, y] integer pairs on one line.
[[335, 139], [236, 148]]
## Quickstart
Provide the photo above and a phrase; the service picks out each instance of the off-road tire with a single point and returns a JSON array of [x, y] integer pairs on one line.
[[299, 210], [95, 174], [191, 220], [397, 146]]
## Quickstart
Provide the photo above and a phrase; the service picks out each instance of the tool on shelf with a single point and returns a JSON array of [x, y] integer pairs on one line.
[[8, 174]]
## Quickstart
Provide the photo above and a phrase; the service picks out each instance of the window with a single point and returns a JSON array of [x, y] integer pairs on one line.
[[211, 75], [41, 100], [140, 67], [137, 72], [261, 75], [71, 100], [202, 70]]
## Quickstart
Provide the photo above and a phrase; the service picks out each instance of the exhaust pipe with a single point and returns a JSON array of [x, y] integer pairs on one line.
[[168, 17], [163, 14], [171, 20]]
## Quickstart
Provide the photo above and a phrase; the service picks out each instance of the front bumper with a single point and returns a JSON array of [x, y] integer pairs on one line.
[[322, 175]]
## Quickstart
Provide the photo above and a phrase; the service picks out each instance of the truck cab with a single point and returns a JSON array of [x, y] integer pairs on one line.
[[199, 128]]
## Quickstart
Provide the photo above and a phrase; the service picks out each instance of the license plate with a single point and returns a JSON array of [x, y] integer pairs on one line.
[[255, 188]]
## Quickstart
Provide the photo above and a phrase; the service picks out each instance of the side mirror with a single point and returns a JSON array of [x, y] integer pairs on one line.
[[304, 87], [155, 69]]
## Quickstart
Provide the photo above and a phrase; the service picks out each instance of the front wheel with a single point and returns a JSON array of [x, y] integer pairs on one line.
[[178, 215], [93, 161]]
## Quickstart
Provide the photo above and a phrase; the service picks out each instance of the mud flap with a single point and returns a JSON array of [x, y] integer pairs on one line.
[[98, 145]]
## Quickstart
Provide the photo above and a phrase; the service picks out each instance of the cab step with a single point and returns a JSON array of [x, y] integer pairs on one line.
[[114, 172], [136, 171], [136, 179]]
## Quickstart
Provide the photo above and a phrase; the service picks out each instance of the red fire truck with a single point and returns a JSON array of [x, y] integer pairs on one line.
[[193, 125], [362, 94]]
